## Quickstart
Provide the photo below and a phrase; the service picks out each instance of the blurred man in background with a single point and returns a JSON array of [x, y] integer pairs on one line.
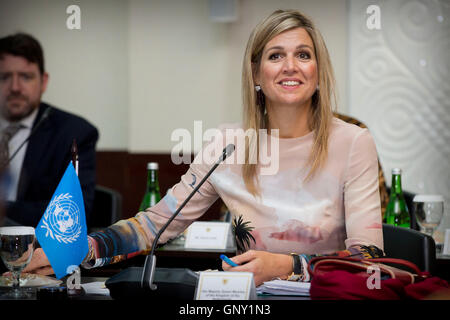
[[33, 171]]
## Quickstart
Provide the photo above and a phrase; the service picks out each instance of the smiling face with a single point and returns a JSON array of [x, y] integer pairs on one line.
[[288, 72], [21, 87]]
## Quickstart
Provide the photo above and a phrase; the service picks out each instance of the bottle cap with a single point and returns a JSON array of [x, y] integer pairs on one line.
[[428, 198], [396, 171], [152, 166]]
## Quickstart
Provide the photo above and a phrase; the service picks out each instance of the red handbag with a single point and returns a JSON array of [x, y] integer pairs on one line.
[[350, 278]]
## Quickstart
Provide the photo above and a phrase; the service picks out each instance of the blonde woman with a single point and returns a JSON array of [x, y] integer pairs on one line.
[[324, 197]]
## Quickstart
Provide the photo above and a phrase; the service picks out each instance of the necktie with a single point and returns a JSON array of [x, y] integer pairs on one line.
[[5, 137]]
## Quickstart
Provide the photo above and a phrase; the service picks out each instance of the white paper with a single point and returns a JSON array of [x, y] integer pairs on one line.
[[96, 288], [284, 288], [207, 235], [225, 286]]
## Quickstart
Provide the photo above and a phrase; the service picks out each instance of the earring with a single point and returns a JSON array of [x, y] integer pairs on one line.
[[260, 98], [317, 88]]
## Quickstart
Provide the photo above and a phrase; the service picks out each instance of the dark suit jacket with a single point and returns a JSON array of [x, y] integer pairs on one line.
[[46, 159]]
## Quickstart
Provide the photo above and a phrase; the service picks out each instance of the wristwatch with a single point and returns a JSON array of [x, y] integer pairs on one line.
[[297, 267], [297, 264]]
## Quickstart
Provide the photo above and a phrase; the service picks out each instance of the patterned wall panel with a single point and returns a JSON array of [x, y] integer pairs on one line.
[[400, 87]]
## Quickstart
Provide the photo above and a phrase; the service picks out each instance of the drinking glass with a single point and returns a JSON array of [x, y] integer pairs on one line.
[[16, 250], [429, 210]]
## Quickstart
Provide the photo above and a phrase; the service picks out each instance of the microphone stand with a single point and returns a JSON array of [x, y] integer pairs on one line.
[[148, 273]]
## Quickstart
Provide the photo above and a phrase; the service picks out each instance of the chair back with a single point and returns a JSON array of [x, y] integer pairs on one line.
[[411, 245], [107, 208]]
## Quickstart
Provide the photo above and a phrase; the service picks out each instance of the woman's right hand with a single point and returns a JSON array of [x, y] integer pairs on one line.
[[39, 264]]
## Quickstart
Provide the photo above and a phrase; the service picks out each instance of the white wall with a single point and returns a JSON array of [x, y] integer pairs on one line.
[[178, 71], [89, 67], [400, 87], [140, 69]]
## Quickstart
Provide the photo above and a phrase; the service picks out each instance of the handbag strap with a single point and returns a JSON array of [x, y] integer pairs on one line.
[[399, 262]]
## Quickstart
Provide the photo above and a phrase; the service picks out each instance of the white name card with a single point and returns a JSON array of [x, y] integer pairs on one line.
[[225, 286], [446, 248], [208, 235]]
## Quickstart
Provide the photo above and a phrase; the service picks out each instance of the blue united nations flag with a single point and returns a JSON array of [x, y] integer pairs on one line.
[[62, 231]]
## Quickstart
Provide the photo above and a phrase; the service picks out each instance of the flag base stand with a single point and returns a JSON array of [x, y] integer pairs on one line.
[[174, 283], [76, 292]]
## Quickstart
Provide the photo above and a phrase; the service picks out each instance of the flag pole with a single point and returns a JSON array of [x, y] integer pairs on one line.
[[74, 280], [74, 151]]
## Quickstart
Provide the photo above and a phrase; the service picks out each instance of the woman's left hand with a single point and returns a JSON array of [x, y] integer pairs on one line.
[[264, 265]]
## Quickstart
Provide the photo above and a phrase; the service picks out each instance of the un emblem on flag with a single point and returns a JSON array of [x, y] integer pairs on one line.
[[61, 219]]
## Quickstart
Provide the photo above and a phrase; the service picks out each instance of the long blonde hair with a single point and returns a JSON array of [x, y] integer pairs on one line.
[[321, 106]]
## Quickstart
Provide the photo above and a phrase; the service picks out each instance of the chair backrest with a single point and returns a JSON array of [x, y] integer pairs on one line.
[[107, 208], [411, 245]]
